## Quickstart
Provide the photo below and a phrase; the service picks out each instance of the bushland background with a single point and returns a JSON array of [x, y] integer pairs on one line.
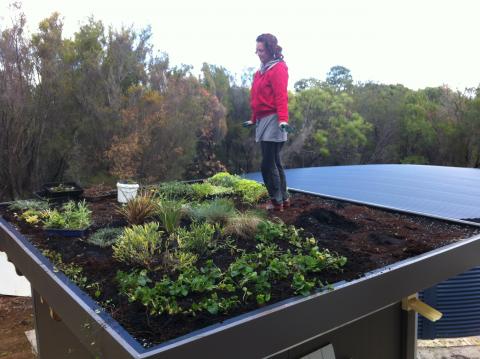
[[104, 105]]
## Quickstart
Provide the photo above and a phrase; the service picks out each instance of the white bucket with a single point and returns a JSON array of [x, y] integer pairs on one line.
[[126, 191]]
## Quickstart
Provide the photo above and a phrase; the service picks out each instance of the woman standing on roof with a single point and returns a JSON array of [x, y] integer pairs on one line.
[[269, 103]]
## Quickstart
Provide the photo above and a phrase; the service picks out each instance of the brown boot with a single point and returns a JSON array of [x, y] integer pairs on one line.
[[287, 203], [273, 205]]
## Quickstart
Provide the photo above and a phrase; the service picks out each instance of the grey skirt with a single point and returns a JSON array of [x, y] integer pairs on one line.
[[267, 130]]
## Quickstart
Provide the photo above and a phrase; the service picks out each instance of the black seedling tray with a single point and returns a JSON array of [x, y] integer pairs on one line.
[[74, 193]]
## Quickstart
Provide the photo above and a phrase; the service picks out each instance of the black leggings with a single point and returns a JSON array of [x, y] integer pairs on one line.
[[272, 170]]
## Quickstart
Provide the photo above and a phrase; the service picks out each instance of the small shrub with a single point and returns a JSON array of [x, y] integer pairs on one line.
[[139, 209], [198, 239], [105, 237], [243, 225], [170, 213], [250, 191], [71, 216], [174, 191], [216, 211], [34, 216], [206, 190], [55, 220], [140, 245], [183, 260], [269, 231], [22, 205], [224, 179]]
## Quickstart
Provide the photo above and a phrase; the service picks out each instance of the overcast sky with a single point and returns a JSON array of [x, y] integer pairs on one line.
[[417, 43]]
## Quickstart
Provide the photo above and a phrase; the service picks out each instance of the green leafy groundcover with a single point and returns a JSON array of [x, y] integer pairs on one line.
[[203, 248], [193, 281], [249, 277]]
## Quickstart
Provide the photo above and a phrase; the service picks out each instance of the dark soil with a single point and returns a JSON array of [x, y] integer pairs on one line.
[[98, 192], [370, 238], [16, 317]]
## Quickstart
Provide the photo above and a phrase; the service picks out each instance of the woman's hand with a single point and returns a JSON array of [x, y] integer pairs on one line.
[[285, 127], [248, 124]]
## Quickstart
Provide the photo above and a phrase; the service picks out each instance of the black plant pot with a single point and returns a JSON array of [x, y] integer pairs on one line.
[[73, 190], [66, 232]]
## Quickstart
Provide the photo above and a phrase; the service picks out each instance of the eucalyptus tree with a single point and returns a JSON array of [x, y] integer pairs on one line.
[[329, 131], [20, 123], [339, 79], [382, 106]]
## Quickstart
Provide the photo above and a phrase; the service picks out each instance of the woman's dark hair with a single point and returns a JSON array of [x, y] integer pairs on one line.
[[271, 44]]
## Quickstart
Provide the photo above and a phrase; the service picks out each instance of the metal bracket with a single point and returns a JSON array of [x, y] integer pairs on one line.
[[413, 303], [52, 313]]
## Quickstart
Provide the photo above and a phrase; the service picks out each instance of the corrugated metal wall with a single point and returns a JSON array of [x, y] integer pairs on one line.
[[459, 300]]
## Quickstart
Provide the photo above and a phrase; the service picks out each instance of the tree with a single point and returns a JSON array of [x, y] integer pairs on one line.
[[305, 84], [383, 106], [163, 134], [418, 134], [70, 106], [217, 80], [54, 97], [86, 157], [237, 150], [339, 79], [328, 130], [20, 126], [470, 130], [213, 129]]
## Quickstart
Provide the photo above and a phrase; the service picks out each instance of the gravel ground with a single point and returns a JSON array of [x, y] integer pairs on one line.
[[454, 348], [16, 317], [467, 352]]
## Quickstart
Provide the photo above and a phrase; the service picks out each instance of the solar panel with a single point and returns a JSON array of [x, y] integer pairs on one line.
[[451, 192]]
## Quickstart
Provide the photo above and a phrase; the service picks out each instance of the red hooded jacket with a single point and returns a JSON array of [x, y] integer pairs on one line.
[[269, 93]]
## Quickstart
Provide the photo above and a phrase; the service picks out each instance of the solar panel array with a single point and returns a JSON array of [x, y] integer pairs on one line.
[[450, 192]]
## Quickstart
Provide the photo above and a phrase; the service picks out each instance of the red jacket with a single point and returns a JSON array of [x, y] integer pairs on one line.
[[269, 93]]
